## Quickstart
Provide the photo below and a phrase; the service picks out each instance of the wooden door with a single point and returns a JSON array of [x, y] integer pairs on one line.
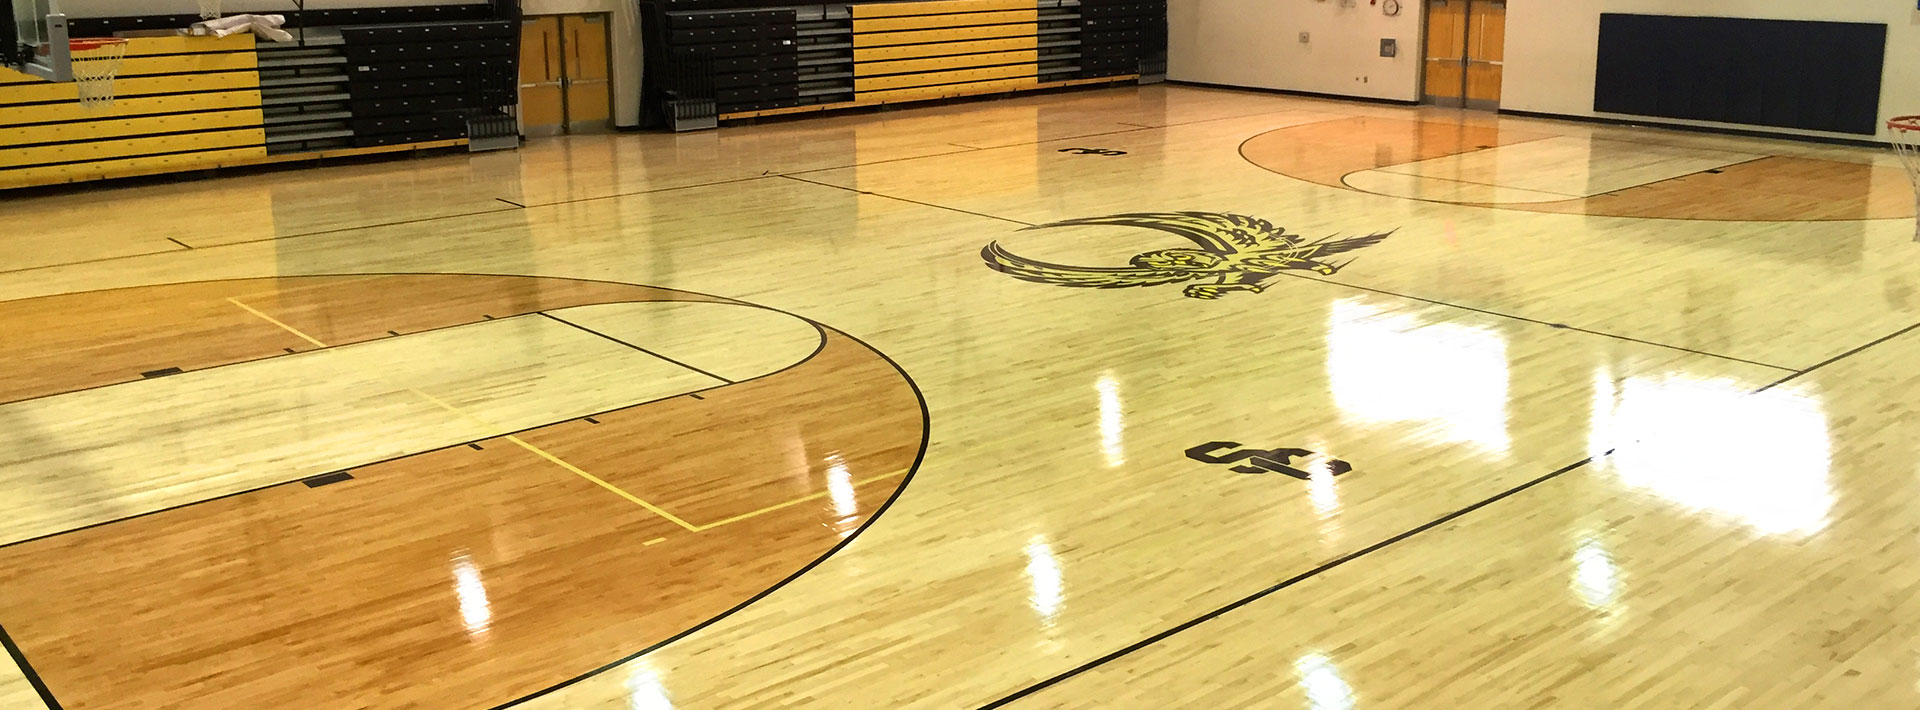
[[1486, 52], [543, 109], [1446, 53], [589, 93]]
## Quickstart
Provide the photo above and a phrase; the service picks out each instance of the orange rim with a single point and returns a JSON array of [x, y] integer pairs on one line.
[[1904, 123], [92, 43]]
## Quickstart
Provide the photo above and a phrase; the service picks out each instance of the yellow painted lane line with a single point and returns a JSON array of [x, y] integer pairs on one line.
[[791, 503], [276, 321], [537, 451]]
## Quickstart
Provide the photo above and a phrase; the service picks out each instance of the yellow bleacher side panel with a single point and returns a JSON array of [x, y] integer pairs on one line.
[[129, 167], [136, 86], [162, 64], [957, 76], [911, 51], [117, 148], [923, 22], [958, 34], [190, 63], [902, 66], [939, 7], [947, 90], [123, 127], [125, 107], [145, 46]]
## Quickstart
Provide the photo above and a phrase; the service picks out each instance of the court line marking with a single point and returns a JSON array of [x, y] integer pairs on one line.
[[636, 347], [925, 425], [903, 199], [794, 502], [1269, 591], [919, 457], [542, 453], [1841, 356], [276, 321], [1290, 581], [434, 329], [1550, 324], [26, 669], [537, 451]]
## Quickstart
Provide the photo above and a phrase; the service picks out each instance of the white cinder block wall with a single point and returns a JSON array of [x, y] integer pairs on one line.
[[1551, 48]]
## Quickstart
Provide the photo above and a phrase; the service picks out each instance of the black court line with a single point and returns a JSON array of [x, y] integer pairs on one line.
[[1296, 579], [183, 245], [903, 199], [1561, 326], [26, 669], [1290, 581], [1841, 356], [511, 202], [636, 347], [926, 437], [276, 484]]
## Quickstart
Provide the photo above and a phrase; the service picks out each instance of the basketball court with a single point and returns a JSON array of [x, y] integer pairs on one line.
[[1141, 396]]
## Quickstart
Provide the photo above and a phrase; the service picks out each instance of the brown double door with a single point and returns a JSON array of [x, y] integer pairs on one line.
[[1466, 43], [563, 74]]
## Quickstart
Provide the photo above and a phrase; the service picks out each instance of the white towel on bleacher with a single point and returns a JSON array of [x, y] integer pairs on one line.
[[266, 26]]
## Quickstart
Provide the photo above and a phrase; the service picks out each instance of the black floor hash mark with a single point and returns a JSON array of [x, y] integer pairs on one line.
[[591, 420], [392, 333], [475, 447], [695, 396], [327, 480], [182, 244], [163, 372], [290, 351], [511, 202]]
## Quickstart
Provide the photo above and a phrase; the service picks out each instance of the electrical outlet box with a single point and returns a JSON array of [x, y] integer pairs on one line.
[[1389, 47], [1306, 37]]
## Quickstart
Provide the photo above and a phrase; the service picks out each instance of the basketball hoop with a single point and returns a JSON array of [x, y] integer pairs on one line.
[[1906, 144], [209, 9], [95, 62]]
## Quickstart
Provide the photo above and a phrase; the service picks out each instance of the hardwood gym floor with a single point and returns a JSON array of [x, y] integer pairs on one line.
[[1146, 397]]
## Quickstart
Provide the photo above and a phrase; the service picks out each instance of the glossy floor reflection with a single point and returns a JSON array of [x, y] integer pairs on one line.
[[1523, 451]]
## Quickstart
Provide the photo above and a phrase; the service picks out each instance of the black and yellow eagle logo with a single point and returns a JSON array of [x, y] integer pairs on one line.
[[1241, 253]]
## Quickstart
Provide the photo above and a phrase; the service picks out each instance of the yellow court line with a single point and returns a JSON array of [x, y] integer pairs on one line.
[[537, 451], [656, 510], [275, 321], [794, 502]]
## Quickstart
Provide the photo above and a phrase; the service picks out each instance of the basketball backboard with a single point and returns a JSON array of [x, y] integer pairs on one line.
[[39, 40]]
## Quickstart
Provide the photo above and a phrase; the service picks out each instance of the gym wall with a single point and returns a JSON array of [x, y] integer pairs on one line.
[[1256, 43], [1553, 48]]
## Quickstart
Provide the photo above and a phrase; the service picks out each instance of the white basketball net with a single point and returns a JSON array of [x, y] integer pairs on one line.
[[209, 9], [1906, 144], [93, 71]]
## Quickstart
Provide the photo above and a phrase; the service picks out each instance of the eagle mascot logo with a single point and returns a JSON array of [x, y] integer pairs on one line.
[[1238, 252]]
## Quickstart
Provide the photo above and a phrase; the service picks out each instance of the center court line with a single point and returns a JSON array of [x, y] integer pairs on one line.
[[1256, 596], [1290, 581]]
